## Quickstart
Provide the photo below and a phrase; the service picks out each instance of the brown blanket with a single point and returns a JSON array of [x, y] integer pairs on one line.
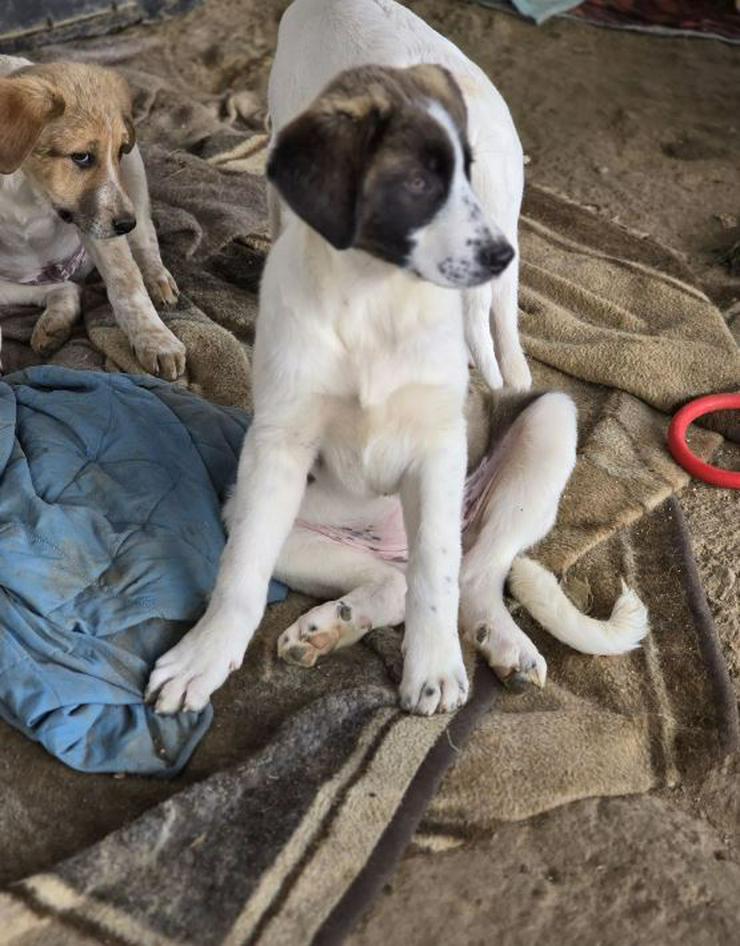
[[310, 783]]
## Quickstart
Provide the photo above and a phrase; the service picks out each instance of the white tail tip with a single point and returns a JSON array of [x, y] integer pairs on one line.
[[540, 593]]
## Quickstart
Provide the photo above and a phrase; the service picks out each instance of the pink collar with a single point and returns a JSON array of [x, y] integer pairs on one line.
[[59, 271]]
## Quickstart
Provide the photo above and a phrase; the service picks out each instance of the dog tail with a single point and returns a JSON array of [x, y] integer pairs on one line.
[[540, 593]]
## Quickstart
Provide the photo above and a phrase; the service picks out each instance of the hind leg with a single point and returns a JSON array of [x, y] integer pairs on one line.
[[369, 593], [531, 466], [504, 324]]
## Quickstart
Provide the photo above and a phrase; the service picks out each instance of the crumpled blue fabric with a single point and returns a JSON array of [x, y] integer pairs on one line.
[[538, 10], [110, 536]]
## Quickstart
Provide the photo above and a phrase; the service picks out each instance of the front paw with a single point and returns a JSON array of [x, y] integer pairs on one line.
[[319, 632], [159, 351], [184, 678], [161, 286], [434, 678], [54, 325]]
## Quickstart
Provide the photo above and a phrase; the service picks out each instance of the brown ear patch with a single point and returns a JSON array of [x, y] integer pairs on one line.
[[26, 106], [439, 84], [321, 160], [318, 163]]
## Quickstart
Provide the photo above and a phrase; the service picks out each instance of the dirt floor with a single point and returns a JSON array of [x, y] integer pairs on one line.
[[646, 131]]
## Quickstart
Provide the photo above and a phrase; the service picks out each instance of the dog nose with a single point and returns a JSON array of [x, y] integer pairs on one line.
[[495, 257], [124, 225]]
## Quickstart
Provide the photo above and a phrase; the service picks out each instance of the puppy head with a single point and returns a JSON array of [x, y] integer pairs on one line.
[[69, 126], [381, 162]]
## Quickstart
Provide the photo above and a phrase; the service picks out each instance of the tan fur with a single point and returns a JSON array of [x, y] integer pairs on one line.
[[378, 88], [48, 114], [27, 105], [92, 113]]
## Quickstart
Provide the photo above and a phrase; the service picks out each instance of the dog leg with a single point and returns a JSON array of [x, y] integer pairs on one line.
[[477, 309], [55, 323], [156, 347], [372, 594], [535, 459], [504, 324], [271, 482], [62, 309], [143, 238], [434, 678]]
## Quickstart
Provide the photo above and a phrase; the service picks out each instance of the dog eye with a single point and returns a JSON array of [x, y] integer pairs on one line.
[[417, 184], [83, 159]]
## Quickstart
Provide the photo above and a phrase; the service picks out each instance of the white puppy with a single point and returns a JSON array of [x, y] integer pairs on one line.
[[319, 39], [73, 197], [360, 377]]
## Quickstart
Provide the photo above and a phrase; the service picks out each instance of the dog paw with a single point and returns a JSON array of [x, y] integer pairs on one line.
[[184, 678], [434, 679], [161, 286], [160, 352], [511, 655], [54, 325], [319, 632], [515, 371]]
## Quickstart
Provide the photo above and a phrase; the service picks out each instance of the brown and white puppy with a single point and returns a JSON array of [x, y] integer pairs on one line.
[[73, 196], [320, 39], [351, 481]]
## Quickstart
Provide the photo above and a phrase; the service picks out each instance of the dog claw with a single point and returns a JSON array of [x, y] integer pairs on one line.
[[521, 680]]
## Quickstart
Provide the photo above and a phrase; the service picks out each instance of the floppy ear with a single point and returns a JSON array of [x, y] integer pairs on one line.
[[319, 163], [26, 106], [131, 132]]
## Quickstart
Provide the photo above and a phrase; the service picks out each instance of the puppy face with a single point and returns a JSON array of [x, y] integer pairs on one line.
[[381, 162], [71, 125]]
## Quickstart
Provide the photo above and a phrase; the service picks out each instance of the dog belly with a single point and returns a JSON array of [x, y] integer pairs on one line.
[[377, 525]]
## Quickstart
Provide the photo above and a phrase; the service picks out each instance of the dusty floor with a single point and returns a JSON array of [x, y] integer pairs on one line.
[[647, 132]]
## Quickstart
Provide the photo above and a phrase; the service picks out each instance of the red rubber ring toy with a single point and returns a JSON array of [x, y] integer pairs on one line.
[[678, 447]]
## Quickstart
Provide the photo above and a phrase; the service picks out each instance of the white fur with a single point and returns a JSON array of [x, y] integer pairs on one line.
[[320, 38], [538, 590], [360, 376]]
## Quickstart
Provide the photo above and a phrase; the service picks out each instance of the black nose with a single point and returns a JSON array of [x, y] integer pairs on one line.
[[124, 225], [495, 257], [65, 215]]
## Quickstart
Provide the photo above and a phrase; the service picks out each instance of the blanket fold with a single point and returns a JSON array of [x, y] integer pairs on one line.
[[308, 775], [110, 512]]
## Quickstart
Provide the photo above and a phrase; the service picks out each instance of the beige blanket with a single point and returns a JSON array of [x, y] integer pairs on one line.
[[316, 780]]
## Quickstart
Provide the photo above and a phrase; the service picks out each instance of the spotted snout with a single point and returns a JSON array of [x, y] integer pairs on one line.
[[482, 259]]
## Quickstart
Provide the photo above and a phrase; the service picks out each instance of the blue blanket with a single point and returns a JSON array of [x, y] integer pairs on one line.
[[110, 537]]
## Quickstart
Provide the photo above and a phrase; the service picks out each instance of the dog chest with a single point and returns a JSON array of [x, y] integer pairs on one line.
[[368, 447], [31, 234]]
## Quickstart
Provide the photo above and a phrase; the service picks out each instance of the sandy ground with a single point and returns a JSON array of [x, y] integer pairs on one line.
[[647, 132]]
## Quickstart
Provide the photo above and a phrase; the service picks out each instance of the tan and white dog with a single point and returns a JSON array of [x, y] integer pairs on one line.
[[73, 196], [352, 480]]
